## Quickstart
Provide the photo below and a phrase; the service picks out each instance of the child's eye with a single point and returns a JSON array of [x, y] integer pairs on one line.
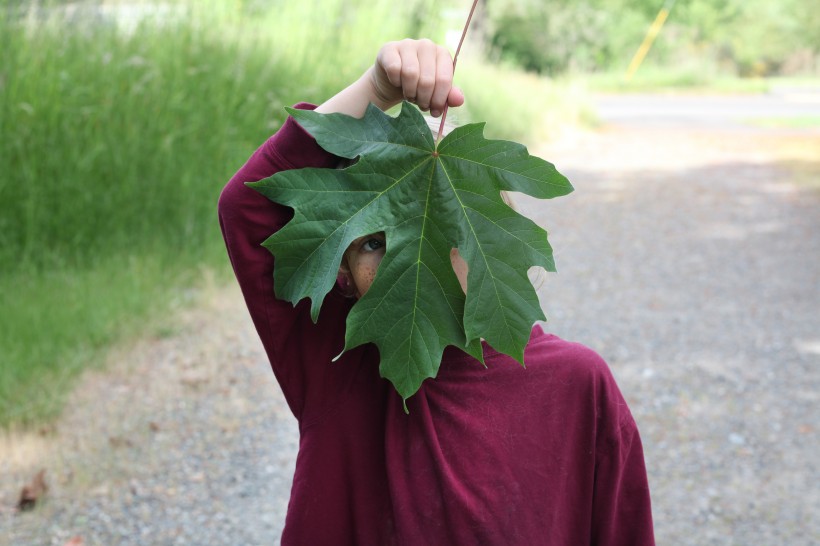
[[373, 244]]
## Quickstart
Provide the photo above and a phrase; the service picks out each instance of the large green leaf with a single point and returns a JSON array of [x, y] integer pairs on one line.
[[427, 200]]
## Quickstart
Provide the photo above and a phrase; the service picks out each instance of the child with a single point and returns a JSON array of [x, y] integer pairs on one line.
[[549, 454]]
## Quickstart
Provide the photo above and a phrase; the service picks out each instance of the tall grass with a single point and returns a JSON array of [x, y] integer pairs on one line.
[[114, 142], [116, 138]]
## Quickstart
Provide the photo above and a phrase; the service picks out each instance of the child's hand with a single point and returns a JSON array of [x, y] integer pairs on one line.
[[418, 71]]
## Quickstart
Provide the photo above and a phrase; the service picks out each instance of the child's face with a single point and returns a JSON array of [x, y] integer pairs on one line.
[[363, 256]]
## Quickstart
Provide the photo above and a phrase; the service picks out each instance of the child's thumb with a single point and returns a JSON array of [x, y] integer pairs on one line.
[[456, 97]]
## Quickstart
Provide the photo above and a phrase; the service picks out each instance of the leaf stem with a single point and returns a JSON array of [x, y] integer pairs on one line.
[[455, 60]]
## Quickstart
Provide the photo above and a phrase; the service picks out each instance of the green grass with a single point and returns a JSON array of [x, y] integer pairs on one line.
[[115, 142], [57, 323], [114, 149]]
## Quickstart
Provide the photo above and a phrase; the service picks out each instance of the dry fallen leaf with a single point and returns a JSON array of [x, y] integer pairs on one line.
[[33, 492], [74, 541]]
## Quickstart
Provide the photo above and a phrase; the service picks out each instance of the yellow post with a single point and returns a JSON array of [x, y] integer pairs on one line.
[[651, 34]]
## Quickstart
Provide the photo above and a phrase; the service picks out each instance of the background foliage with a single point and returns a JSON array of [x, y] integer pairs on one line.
[[744, 37]]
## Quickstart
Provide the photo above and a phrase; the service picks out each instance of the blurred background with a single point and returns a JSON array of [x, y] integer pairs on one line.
[[689, 254]]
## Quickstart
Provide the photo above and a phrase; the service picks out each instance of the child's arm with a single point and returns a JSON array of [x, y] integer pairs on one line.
[[300, 351]]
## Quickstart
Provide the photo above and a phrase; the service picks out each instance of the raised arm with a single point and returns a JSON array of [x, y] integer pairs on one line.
[[300, 351]]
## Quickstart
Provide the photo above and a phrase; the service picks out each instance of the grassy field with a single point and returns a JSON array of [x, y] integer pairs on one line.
[[118, 134]]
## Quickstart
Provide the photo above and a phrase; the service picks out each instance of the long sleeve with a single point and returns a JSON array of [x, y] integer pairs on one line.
[[621, 512], [295, 346]]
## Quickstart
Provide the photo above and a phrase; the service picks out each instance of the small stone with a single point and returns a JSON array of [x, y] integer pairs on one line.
[[136, 488], [737, 439], [99, 491]]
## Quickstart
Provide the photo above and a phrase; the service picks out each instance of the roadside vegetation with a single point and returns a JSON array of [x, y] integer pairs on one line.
[[701, 39], [121, 121]]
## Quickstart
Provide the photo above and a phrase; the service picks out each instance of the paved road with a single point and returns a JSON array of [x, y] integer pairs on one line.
[[713, 112]]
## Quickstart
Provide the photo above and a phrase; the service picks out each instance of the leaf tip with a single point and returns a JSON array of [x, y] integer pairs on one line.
[[315, 307], [520, 359]]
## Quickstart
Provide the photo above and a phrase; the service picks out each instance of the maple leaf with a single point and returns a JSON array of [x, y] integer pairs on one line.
[[427, 199]]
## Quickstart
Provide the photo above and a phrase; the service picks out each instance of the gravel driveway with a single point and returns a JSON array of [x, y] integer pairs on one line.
[[689, 260]]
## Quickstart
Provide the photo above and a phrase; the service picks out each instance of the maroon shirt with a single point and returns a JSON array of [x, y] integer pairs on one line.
[[549, 454]]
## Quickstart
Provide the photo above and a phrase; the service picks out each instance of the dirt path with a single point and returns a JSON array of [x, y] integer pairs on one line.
[[689, 260]]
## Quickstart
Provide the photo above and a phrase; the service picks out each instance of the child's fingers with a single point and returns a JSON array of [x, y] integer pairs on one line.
[[389, 60], [417, 70], [409, 69], [443, 82], [456, 97], [427, 53]]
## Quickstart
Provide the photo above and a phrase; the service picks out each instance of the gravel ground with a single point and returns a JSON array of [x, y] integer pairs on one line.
[[688, 260]]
